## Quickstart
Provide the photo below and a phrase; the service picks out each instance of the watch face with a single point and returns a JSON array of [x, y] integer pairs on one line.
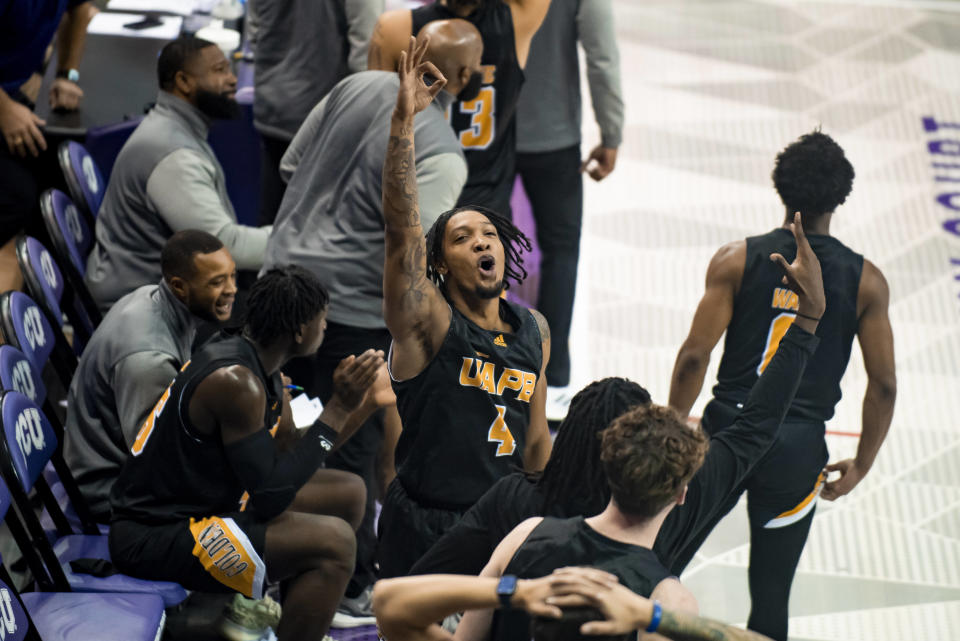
[[507, 585], [73, 75]]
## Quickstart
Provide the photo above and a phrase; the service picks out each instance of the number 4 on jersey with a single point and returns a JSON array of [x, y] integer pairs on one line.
[[778, 328], [500, 433]]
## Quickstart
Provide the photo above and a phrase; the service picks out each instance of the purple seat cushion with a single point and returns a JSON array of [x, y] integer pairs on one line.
[[104, 617], [79, 546]]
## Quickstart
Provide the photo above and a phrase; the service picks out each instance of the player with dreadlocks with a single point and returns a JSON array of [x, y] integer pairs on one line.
[[211, 500], [467, 365]]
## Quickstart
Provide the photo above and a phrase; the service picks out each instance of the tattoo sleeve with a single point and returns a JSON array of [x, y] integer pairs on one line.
[[680, 626]]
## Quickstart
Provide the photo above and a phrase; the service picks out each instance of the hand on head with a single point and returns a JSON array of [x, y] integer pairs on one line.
[[803, 275], [414, 95]]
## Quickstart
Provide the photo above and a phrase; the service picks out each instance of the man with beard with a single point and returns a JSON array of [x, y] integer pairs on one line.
[[136, 351], [467, 365], [167, 177], [483, 115], [331, 222]]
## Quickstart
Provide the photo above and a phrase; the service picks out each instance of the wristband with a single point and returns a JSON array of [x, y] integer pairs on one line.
[[655, 618], [326, 434], [813, 318]]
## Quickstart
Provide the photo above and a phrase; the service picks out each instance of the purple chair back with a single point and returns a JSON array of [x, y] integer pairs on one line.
[[41, 274], [14, 622], [71, 235], [25, 327], [83, 177], [19, 375], [28, 435]]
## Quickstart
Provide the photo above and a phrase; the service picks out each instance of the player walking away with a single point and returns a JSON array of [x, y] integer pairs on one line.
[[467, 365], [746, 298], [649, 458], [179, 507], [483, 114]]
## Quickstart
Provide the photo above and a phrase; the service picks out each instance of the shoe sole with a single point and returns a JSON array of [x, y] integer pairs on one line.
[[344, 620], [233, 631]]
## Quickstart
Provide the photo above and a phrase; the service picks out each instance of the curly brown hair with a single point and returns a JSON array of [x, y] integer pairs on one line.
[[649, 454]]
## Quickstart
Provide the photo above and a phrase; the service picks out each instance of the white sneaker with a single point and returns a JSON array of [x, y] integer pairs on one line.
[[558, 402], [355, 612]]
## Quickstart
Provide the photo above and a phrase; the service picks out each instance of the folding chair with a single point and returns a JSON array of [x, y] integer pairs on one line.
[[18, 374], [45, 283], [84, 180], [71, 616], [27, 442], [24, 326], [72, 240]]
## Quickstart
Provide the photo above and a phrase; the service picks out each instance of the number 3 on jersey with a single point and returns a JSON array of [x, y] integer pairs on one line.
[[500, 433], [482, 122], [778, 328]]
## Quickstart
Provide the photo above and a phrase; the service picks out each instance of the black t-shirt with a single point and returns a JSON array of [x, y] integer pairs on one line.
[[467, 547], [557, 543], [763, 310], [485, 126], [175, 472], [465, 415]]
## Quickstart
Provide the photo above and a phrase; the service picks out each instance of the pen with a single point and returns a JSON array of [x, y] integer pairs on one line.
[[294, 387]]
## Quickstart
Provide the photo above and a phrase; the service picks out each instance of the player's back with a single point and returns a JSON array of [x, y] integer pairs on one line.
[[485, 126], [176, 471], [763, 310]]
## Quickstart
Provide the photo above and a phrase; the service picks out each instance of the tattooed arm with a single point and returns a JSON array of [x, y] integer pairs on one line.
[[414, 309], [625, 611]]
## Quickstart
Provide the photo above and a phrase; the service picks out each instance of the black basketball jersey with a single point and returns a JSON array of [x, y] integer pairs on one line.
[[175, 472], [557, 543], [763, 310], [465, 415], [485, 126]]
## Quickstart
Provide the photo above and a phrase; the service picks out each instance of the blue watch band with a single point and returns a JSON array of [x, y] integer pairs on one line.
[[655, 617]]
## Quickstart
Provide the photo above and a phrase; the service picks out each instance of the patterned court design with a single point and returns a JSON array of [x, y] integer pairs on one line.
[[714, 89]]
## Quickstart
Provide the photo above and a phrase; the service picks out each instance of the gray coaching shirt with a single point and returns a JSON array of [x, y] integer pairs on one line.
[[331, 218], [549, 111]]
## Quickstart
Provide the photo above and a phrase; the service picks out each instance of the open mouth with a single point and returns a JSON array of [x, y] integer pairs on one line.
[[487, 266], [224, 309]]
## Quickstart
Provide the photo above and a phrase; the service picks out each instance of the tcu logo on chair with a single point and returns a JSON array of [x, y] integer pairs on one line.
[[73, 222], [8, 617], [33, 327], [29, 432], [23, 380], [46, 266]]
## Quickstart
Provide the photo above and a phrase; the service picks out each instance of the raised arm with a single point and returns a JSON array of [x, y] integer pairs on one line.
[[709, 322], [413, 307], [876, 343]]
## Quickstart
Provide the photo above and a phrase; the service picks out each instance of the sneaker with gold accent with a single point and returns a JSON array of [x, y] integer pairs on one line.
[[246, 619]]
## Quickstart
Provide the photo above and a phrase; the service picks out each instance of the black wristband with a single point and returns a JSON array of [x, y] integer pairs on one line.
[[813, 318], [326, 434]]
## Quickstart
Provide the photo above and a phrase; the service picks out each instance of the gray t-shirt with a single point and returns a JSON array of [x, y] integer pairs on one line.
[[331, 218], [131, 358]]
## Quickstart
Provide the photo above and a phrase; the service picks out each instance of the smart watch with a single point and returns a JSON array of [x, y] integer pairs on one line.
[[506, 589], [70, 74]]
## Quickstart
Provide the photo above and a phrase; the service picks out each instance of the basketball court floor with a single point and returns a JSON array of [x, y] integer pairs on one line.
[[713, 90]]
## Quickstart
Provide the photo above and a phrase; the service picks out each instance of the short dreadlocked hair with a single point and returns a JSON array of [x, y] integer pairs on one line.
[[649, 454], [573, 479], [281, 301], [812, 175], [515, 242]]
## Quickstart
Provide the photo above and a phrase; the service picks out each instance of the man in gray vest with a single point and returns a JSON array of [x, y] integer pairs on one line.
[[302, 49], [167, 177], [331, 222], [136, 351]]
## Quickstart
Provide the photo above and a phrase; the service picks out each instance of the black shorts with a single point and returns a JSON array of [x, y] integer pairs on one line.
[[408, 529], [212, 554]]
